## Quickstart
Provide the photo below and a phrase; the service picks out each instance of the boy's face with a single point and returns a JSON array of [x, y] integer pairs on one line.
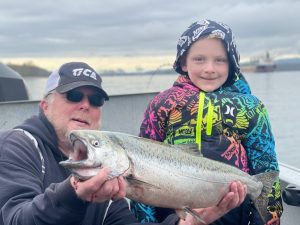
[[207, 64]]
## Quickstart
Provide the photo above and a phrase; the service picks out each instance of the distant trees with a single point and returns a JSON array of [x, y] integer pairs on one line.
[[29, 69]]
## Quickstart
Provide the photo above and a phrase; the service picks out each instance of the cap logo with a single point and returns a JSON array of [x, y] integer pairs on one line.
[[86, 72]]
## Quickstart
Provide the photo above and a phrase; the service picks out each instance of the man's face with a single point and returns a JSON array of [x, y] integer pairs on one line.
[[66, 115]]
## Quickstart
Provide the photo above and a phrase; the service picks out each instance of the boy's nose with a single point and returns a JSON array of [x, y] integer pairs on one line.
[[209, 66]]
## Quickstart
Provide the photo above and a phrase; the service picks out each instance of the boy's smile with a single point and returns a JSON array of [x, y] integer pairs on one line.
[[207, 64]]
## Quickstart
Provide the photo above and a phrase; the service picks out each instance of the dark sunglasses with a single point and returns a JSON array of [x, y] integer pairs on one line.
[[96, 100]]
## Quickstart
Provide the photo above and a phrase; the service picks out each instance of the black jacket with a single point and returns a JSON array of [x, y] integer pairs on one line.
[[28, 196]]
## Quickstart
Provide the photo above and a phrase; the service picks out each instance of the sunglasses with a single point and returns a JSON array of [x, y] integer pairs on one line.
[[75, 96]]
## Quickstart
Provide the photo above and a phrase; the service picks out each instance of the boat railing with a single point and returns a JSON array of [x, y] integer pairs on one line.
[[127, 111], [290, 182]]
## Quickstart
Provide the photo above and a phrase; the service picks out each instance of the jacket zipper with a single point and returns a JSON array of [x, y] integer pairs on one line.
[[209, 119]]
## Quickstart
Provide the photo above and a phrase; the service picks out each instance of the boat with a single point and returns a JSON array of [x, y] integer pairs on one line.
[[259, 65], [265, 64], [12, 85], [134, 105]]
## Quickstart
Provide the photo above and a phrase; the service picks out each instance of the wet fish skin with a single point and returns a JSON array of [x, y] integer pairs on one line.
[[160, 174]]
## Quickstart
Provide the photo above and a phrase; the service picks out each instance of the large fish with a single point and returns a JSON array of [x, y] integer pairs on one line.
[[158, 174]]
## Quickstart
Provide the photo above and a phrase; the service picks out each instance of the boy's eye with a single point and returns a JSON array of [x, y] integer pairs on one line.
[[199, 59], [221, 60]]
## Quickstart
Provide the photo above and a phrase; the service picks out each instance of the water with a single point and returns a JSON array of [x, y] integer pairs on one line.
[[278, 91], [114, 85]]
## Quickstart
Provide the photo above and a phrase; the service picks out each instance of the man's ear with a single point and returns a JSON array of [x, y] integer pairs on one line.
[[43, 105]]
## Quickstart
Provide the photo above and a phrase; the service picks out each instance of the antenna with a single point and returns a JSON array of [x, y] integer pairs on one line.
[[156, 71]]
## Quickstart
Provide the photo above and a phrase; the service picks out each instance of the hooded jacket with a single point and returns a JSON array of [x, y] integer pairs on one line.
[[33, 194], [229, 124]]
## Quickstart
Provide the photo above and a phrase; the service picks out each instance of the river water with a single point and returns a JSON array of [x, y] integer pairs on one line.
[[278, 91]]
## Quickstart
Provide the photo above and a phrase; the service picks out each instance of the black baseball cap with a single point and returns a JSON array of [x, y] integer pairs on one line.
[[73, 75]]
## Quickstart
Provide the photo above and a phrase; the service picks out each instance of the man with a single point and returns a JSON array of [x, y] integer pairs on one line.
[[35, 189]]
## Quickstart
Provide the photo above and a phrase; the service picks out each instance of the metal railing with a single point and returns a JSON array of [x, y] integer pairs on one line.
[[127, 111]]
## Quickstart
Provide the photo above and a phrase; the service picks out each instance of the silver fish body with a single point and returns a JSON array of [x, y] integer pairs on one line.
[[160, 174]]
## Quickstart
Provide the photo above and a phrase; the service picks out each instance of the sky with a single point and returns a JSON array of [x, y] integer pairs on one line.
[[138, 34]]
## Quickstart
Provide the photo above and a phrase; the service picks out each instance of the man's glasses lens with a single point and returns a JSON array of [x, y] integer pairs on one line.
[[77, 96], [96, 100], [74, 96]]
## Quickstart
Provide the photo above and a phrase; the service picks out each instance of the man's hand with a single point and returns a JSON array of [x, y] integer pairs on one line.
[[232, 199], [98, 188]]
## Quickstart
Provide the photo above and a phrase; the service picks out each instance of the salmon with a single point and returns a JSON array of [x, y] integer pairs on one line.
[[163, 175]]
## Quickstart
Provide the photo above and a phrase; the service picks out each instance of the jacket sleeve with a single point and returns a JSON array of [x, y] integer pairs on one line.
[[260, 146], [119, 213], [155, 118], [23, 199], [153, 127], [170, 220]]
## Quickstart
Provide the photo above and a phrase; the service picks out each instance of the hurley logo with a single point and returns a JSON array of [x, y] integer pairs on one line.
[[84, 72], [229, 110]]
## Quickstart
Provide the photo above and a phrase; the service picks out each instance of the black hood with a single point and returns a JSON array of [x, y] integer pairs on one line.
[[214, 29]]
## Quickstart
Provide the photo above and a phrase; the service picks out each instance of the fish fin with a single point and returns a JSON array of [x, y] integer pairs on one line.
[[113, 174], [189, 148], [194, 214], [261, 202], [135, 182]]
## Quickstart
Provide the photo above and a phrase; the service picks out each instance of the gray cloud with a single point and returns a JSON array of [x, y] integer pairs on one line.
[[100, 27]]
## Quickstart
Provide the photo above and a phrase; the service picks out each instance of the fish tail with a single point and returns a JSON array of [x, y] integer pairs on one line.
[[261, 202]]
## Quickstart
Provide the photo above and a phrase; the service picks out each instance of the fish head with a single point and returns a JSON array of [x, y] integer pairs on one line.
[[92, 151]]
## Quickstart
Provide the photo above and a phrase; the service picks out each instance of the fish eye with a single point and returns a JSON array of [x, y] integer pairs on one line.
[[95, 143]]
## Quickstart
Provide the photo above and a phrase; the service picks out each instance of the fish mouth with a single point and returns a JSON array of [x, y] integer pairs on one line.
[[78, 158]]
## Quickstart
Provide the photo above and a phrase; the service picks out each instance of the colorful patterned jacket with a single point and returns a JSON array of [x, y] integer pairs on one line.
[[230, 125]]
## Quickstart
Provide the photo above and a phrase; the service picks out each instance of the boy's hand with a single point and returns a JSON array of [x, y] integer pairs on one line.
[[232, 199]]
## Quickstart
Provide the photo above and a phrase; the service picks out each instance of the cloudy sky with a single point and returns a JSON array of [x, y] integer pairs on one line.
[[138, 33]]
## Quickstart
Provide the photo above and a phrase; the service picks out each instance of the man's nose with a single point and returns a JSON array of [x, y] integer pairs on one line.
[[85, 102]]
